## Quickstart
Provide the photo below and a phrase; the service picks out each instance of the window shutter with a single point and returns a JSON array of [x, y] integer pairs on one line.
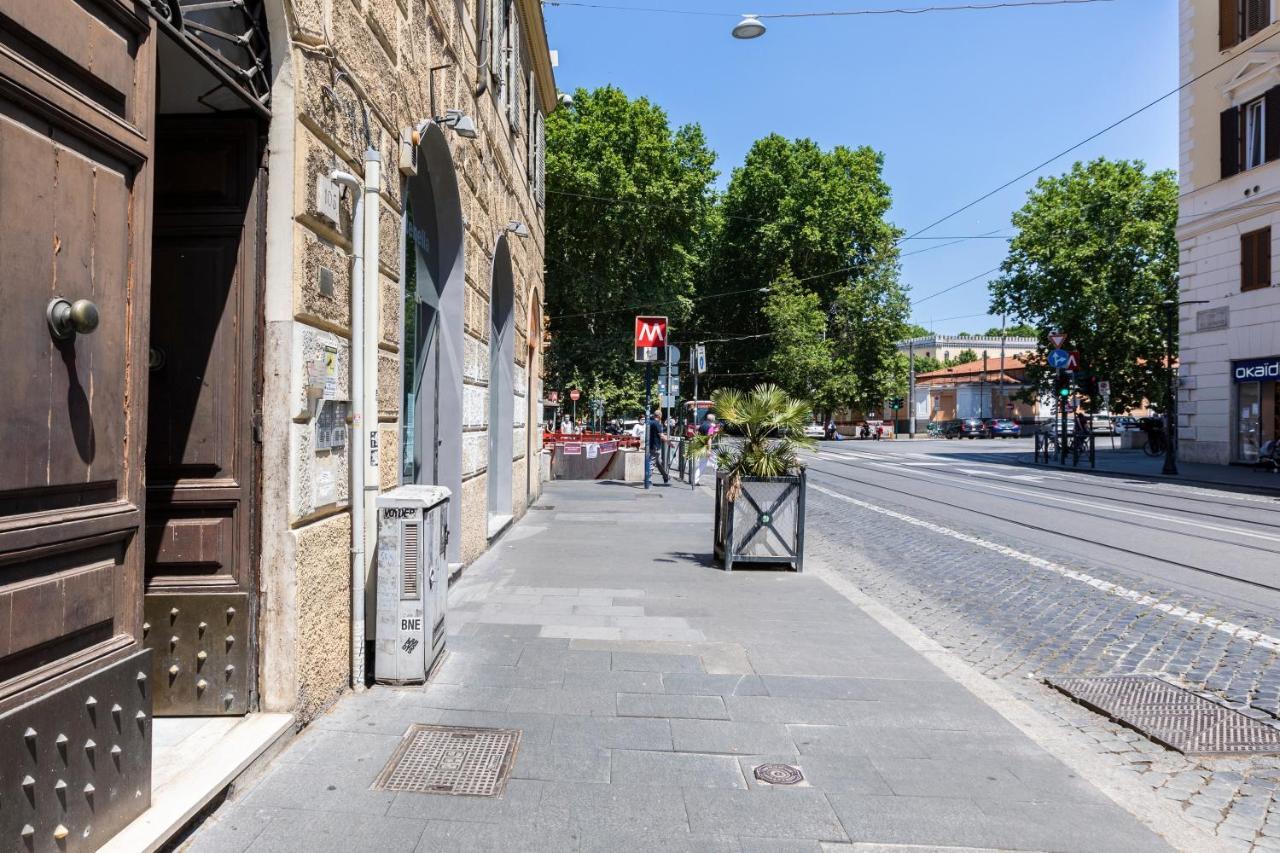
[[530, 134], [1228, 24], [1262, 266], [1257, 14], [540, 187], [515, 78], [1246, 261], [496, 41], [1271, 124], [1255, 259], [1230, 124]]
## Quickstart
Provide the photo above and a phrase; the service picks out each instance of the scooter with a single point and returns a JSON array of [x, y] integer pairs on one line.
[[1269, 457]]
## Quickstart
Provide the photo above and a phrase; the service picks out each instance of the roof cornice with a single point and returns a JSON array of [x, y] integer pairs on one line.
[[535, 28]]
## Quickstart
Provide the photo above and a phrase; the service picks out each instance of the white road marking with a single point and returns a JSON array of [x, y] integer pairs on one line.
[[1239, 632], [1027, 478], [1102, 503]]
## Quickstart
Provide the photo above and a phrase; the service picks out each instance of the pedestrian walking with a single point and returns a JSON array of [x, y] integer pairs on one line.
[[708, 427], [656, 444]]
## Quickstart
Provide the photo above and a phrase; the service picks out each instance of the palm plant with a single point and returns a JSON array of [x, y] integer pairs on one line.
[[770, 427]]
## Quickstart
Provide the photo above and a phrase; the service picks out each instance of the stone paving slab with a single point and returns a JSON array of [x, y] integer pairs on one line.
[[649, 742]]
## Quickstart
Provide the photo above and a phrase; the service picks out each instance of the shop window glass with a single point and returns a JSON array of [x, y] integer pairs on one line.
[[1248, 420]]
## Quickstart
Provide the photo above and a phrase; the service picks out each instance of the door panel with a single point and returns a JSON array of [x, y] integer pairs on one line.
[[76, 94], [200, 453]]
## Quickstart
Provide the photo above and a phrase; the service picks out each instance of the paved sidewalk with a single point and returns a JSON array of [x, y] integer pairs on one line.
[[648, 685], [1136, 463]]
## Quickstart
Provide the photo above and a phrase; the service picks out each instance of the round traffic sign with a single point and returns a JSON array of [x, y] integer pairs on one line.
[[1059, 358], [575, 394]]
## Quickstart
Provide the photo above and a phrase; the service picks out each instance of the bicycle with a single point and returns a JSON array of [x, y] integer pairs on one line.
[[1157, 441], [1049, 445]]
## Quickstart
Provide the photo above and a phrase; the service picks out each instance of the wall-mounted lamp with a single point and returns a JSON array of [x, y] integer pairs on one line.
[[518, 228], [748, 28], [462, 124]]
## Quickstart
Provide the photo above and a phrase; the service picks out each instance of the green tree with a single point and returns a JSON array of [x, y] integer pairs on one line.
[[800, 361], [629, 212], [800, 218], [963, 357], [1017, 330], [927, 364], [915, 330], [1095, 257]]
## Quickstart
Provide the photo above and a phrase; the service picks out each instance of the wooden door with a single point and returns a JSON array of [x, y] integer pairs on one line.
[[76, 115], [200, 430]]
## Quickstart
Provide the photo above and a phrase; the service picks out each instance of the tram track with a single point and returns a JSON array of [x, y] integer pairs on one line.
[[954, 483]]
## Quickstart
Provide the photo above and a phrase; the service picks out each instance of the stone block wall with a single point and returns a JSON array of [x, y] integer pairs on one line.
[[345, 56]]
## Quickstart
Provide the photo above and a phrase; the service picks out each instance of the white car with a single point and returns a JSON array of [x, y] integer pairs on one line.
[[814, 431]]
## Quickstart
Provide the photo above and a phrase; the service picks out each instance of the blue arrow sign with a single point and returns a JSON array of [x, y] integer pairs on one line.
[[1059, 359]]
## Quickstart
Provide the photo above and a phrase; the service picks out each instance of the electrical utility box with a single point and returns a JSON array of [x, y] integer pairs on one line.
[[413, 582]]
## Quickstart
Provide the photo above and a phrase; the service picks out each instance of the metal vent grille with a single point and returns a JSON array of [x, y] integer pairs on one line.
[[1170, 716], [451, 760], [410, 561]]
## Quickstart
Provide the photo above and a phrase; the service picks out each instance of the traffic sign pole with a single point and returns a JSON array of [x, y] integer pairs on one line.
[[644, 446]]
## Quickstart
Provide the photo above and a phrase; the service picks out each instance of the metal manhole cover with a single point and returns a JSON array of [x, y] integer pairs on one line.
[[451, 760], [779, 774], [1171, 716]]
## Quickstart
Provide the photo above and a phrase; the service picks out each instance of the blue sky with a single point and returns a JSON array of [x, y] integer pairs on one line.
[[959, 102]]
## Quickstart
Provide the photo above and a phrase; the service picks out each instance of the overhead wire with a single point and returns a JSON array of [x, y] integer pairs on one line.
[[835, 13], [1086, 140]]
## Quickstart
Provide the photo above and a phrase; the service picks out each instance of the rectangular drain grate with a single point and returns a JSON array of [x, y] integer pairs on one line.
[[1170, 716], [451, 760]]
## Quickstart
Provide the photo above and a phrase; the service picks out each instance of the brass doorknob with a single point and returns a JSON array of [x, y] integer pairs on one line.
[[67, 318]]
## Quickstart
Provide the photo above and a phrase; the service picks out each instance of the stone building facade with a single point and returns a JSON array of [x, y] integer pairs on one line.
[[186, 430], [1229, 210], [406, 63]]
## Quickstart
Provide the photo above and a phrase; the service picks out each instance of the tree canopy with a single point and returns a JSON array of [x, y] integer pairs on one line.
[[792, 274], [1014, 330], [803, 236], [629, 211], [1095, 257]]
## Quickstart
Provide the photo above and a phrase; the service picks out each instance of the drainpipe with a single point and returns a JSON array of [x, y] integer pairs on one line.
[[371, 477], [356, 390]]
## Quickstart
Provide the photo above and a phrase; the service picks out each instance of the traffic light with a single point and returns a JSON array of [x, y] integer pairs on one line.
[[1063, 386], [895, 403]]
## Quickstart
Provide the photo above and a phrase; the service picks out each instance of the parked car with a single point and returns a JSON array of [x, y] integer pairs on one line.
[[1101, 424], [815, 431], [1124, 424], [1003, 428], [966, 428]]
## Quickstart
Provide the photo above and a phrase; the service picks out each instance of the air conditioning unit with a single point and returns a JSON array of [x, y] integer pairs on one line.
[[413, 583]]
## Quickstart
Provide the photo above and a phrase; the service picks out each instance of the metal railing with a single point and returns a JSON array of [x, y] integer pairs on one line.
[[1050, 446]]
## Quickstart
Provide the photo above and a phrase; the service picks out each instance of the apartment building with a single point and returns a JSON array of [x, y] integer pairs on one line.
[[1229, 142]]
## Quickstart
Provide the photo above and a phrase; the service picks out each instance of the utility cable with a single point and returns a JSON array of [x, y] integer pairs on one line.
[[1089, 138], [836, 13]]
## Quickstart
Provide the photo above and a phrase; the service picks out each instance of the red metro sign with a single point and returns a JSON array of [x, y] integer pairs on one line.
[[651, 338]]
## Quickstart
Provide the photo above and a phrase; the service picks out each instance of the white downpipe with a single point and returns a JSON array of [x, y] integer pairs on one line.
[[351, 182], [368, 326]]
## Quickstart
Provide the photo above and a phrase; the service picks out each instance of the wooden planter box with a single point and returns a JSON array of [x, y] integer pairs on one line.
[[764, 525]]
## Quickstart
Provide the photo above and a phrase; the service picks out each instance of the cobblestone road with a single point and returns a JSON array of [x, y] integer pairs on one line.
[[1018, 622]]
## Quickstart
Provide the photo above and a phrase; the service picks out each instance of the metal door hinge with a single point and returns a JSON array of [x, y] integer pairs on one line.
[[257, 428]]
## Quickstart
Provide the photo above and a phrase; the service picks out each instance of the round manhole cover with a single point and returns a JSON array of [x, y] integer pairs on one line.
[[779, 774]]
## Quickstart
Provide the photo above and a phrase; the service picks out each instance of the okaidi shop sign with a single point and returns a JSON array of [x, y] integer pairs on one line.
[[1256, 370]]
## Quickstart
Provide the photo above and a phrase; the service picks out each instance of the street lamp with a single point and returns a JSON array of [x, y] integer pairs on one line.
[[748, 28]]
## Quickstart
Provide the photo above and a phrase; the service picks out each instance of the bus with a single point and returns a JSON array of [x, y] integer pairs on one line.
[[694, 411]]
